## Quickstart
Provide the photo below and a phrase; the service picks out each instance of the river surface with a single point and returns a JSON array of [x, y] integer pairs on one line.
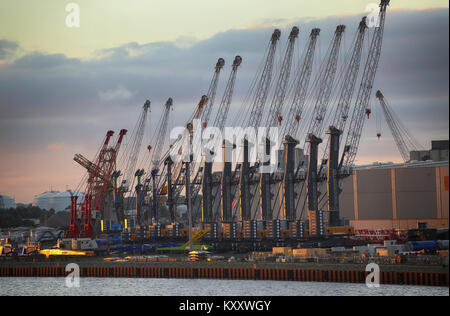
[[199, 287]]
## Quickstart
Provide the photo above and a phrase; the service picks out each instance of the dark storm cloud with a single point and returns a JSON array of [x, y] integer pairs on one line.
[[43, 93], [7, 48]]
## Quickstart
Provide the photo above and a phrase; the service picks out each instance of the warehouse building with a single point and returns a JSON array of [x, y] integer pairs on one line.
[[438, 152], [397, 196]]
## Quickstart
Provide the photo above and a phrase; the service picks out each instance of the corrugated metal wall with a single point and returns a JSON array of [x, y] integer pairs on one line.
[[396, 193]]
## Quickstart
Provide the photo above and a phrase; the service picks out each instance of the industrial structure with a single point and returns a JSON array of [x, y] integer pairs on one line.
[[58, 201], [303, 197], [7, 202]]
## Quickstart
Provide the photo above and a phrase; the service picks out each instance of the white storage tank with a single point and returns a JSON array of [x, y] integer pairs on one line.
[[59, 201], [7, 202]]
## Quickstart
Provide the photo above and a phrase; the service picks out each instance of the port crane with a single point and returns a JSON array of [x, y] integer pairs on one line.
[[160, 138], [206, 180], [337, 126], [293, 117], [275, 118], [322, 94], [360, 111], [176, 175], [404, 140], [97, 185], [129, 159], [258, 95]]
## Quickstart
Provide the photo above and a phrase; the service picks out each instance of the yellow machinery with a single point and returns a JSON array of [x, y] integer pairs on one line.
[[63, 252], [196, 236], [340, 230]]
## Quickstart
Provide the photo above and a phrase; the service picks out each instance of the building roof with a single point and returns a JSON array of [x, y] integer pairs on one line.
[[411, 164]]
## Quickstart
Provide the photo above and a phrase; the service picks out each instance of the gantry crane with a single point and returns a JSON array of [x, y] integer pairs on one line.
[[275, 118], [293, 117], [176, 177], [404, 140], [322, 98], [219, 122], [258, 102], [331, 153], [160, 138], [130, 158], [357, 120]]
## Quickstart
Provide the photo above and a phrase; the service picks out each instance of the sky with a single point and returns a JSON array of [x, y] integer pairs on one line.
[[62, 88]]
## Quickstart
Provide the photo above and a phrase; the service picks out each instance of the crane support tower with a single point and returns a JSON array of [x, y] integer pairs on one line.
[[315, 216]]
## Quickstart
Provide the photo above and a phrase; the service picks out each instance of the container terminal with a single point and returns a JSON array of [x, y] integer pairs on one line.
[[302, 201]]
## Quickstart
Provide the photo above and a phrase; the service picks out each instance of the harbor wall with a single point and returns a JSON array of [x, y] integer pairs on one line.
[[230, 273]]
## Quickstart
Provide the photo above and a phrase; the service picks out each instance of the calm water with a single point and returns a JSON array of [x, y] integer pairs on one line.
[[186, 287]]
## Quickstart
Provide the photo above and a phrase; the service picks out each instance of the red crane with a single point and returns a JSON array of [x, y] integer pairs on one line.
[[99, 179]]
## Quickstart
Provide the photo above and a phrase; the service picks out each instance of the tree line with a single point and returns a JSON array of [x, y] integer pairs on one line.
[[23, 216]]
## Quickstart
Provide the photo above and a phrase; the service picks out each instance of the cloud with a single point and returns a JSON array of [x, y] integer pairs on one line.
[[120, 93], [8, 49]]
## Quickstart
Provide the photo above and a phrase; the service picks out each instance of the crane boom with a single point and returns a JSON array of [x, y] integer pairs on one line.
[[161, 135], [301, 86], [224, 107], [349, 81], [404, 140], [132, 152], [262, 90], [325, 84], [212, 92], [282, 82]]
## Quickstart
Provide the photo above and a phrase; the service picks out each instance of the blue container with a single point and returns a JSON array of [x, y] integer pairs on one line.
[[116, 227], [423, 245]]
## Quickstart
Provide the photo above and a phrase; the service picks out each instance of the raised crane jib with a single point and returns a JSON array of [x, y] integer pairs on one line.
[[263, 84], [212, 92], [224, 107], [348, 84], [161, 135], [301, 84], [325, 84], [275, 111], [404, 140], [136, 142]]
